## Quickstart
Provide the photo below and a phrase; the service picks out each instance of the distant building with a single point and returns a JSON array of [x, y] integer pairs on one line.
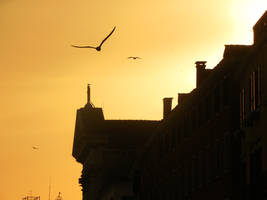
[[212, 145], [31, 197]]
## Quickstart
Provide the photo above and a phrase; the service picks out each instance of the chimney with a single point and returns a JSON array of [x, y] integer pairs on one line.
[[167, 106], [200, 65]]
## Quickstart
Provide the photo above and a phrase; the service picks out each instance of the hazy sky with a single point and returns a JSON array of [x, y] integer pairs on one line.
[[43, 79]]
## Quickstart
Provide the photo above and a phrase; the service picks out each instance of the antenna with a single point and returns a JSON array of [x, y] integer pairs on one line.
[[89, 104], [88, 94], [49, 191]]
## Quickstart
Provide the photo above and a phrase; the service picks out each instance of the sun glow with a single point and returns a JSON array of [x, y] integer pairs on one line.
[[245, 14]]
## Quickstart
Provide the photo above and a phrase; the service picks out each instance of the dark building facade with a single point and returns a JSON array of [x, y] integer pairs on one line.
[[253, 116], [212, 145], [107, 150]]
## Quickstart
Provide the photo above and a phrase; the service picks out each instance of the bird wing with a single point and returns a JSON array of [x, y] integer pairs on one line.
[[107, 36], [83, 46], [134, 57]]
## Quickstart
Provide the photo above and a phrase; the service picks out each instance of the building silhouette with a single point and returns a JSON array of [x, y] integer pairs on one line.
[[212, 145], [107, 150], [31, 197]]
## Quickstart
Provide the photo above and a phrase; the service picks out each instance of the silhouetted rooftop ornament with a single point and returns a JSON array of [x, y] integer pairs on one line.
[[99, 47], [89, 103]]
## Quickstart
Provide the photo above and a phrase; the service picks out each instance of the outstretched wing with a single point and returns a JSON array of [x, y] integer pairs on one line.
[[107, 36], [83, 46], [134, 57]]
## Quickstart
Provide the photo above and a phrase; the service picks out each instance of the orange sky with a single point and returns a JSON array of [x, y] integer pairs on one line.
[[43, 79]]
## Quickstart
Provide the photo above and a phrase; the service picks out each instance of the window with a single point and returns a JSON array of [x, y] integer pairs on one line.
[[249, 94], [178, 133], [242, 108], [254, 90], [219, 157], [208, 108], [257, 88], [204, 167], [183, 182], [193, 119], [209, 164], [253, 101], [217, 99], [200, 168], [189, 177], [186, 180], [179, 184], [200, 115], [166, 142], [173, 138], [225, 91], [186, 129], [160, 147], [193, 173], [226, 152]]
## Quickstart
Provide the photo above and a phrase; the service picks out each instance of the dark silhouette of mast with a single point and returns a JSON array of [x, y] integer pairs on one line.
[[89, 104]]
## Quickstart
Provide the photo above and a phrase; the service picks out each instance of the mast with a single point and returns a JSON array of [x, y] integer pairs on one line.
[[49, 190]]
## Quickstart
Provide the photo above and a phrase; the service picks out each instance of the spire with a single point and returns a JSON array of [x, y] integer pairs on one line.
[[88, 94], [88, 104]]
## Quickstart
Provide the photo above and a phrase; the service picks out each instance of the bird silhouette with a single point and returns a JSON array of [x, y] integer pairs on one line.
[[98, 48], [35, 148], [134, 57]]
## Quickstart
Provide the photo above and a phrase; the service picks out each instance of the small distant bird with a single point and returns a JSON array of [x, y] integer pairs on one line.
[[134, 57], [35, 148], [99, 47]]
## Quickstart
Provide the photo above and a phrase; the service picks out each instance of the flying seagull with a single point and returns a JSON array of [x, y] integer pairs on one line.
[[134, 57], [99, 47]]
